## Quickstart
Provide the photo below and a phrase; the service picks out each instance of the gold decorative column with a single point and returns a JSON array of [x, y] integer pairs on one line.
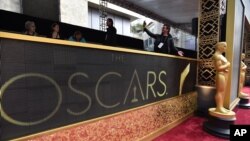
[[209, 34], [247, 52]]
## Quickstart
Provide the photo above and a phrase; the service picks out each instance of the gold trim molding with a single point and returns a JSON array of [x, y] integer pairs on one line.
[[84, 45]]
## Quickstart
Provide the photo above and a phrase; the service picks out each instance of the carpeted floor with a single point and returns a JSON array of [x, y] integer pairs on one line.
[[191, 129]]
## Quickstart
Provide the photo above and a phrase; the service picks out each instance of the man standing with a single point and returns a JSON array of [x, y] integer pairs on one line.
[[110, 38], [163, 42]]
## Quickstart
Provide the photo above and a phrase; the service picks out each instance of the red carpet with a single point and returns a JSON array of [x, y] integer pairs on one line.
[[191, 129], [243, 115], [246, 90]]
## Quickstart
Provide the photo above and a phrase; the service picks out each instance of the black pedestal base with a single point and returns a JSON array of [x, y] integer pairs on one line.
[[205, 99], [244, 103], [218, 126]]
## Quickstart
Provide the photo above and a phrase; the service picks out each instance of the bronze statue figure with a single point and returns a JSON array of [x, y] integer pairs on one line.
[[242, 77], [222, 66]]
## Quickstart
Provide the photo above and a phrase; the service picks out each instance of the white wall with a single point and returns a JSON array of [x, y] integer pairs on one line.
[[74, 12], [121, 24], [11, 5], [94, 17], [89, 18], [126, 27], [118, 25]]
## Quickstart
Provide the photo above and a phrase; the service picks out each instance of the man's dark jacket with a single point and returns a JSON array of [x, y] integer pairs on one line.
[[168, 43]]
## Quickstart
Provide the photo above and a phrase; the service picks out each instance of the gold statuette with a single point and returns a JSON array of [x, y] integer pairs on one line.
[[222, 68], [242, 78]]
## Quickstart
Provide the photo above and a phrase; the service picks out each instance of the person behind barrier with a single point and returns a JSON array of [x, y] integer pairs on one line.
[[77, 37], [55, 28], [163, 42], [30, 28], [110, 38]]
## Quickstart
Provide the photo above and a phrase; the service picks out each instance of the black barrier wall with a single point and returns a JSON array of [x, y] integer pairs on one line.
[[45, 86]]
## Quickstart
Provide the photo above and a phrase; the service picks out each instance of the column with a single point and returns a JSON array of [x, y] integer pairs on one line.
[[208, 35], [11, 5], [74, 12]]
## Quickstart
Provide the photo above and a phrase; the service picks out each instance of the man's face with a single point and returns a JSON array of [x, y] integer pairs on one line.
[[32, 27], [164, 29], [108, 23]]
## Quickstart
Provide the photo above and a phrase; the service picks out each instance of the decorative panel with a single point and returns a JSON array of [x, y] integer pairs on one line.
[[247, 52], [131, 125], [209, 26]]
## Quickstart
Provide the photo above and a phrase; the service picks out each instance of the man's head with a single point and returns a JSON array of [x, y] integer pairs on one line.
[[165, 29], [109, 22], [30, 26]]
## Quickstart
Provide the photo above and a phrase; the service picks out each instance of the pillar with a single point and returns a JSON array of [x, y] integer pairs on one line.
[[74, 12], [11, 5], [209, 31], [234, 38]]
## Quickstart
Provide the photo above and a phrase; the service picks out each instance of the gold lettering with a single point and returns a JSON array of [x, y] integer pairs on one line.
[[184, 75], [118, 58], [21, 76], [164, 85], [135, 76], [97, 86], [78, 92], [150, 85]]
